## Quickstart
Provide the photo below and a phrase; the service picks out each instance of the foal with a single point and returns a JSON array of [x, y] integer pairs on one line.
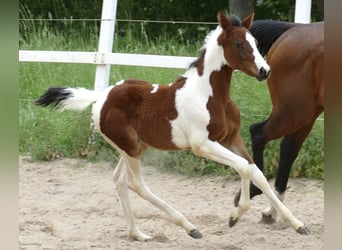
[[195, 112]]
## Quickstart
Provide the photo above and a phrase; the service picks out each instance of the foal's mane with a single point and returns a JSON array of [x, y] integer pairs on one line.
[[236, 21], [266, 32]]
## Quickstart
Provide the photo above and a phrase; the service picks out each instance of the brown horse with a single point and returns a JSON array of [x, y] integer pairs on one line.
[[195, 112], [295, 53]]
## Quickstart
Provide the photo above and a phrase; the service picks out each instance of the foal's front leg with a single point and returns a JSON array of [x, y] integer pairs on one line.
[[260, 181], [216, 152]]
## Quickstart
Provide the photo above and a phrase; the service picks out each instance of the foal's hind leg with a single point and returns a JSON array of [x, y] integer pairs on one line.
[[120, 177], [137, 184]]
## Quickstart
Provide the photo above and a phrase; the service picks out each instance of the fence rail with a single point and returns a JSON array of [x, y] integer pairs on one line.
[[98, 58]]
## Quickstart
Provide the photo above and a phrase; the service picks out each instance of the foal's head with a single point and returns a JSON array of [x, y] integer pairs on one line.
[[239, 46]]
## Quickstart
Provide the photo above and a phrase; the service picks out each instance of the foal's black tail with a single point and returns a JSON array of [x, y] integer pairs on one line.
[[63, 98], [266, 32]]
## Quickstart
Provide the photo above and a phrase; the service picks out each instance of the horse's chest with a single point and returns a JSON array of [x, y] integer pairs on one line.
[[224, 121], [192, 116]]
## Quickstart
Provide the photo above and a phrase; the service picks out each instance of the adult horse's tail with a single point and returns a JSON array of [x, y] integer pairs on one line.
[[67, 98], [266, 32]]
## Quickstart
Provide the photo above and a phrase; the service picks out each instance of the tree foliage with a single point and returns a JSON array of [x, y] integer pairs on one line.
[[166, 10], [177, 10]]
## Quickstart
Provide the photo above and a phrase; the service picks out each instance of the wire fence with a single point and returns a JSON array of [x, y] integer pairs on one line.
[[117, 20]]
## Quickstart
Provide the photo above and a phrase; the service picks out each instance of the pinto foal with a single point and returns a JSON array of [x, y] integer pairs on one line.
[[195, 112]]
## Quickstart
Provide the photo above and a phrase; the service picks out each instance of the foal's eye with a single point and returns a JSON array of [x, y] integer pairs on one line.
[[238, 45]]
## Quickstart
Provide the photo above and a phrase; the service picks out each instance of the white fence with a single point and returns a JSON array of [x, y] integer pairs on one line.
[[104, 57], [101, 58], [302, 11]]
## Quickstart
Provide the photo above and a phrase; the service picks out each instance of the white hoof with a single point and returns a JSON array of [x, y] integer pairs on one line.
[[139, 236]]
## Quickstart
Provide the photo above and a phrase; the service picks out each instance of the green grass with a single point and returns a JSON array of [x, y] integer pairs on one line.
[[46, 134]]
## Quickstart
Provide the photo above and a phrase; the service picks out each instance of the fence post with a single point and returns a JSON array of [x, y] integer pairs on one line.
[[106, 38], [303, 11], [102, 74]]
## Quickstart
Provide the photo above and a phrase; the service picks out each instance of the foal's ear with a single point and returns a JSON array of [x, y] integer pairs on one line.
[[223, 20], [248, 21]]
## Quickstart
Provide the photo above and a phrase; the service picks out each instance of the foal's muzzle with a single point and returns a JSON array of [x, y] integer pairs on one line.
[[263, 74]]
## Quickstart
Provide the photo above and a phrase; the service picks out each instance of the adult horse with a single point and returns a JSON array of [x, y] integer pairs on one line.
[[195, 112], [295, 53]]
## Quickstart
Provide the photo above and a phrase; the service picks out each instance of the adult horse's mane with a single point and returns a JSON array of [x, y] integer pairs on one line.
[[261, 30]]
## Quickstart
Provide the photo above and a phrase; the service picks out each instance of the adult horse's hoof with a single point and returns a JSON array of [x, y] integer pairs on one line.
[[303, 230], [232, 221], [267, 219], [194, 233]]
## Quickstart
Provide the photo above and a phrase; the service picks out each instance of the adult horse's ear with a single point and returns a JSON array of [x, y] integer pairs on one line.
[[223, 20], [248, 21]]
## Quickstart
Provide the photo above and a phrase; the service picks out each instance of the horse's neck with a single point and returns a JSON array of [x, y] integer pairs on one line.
[[213, 61], [210, 75], [213, 71], [220, 83]]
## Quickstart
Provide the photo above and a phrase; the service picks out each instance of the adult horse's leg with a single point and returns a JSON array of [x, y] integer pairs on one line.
[[261, 133], [236, 144], [138, 185], [289, 149], [259, 140]]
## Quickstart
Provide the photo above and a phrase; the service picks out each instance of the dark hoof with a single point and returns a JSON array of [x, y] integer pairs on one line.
[[303, 230], [194, 233], [232, 221], [237, 198], [267, 219]]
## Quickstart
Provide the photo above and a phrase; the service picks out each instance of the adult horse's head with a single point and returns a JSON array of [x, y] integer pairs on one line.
[[239, 46]]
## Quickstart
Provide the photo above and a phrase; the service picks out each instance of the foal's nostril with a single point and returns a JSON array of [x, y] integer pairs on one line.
[[264, 73]]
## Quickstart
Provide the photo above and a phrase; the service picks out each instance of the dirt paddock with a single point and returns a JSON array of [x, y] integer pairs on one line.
[[73, 204]]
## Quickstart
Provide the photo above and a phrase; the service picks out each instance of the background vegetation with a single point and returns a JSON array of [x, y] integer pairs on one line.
[[46, 134], [166, 10]]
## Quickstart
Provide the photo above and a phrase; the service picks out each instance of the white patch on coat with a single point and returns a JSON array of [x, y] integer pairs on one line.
[[80, 99], [97, 107], [155, 88], [190, 127], [258, 59], [120, 82], [214, 57]]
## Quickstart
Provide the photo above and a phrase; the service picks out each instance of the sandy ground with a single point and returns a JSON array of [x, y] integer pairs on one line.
[[72, 204]]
